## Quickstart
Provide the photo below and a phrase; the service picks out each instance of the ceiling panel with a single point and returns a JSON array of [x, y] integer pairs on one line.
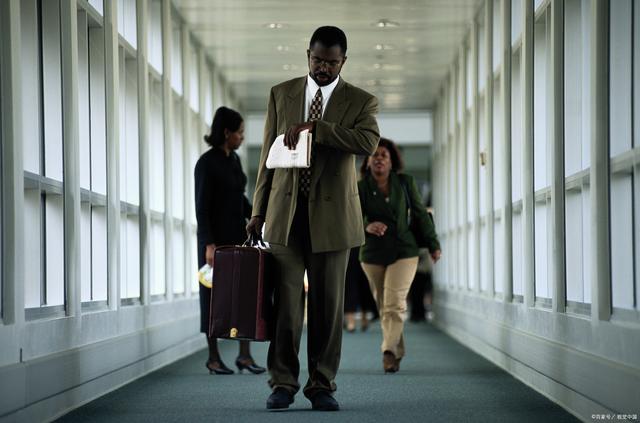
[[403, 65]]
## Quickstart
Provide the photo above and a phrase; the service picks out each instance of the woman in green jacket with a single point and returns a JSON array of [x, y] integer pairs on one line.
[[389, 257]]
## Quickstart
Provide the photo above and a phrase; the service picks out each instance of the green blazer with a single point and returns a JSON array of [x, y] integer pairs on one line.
[[348, 128], [398, 241]]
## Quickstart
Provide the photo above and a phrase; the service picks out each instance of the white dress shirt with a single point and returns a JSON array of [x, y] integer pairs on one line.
[[311, 90]]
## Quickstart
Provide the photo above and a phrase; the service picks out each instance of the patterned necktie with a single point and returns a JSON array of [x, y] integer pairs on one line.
[[315, 113]]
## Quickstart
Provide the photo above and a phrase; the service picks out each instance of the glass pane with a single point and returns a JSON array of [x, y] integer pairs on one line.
[[84, 121], [516, 129], [622, 241], [85, 252], [98, 112], [52, 89], [54, 250], [154, 37], [30, 73], [127, 21], [176, 59], [518, 286], [542, 248], [156, 148], [620, 77], [99, 254], [541, 105], [157, 282], [178, 260], [177, 161], [499, 254], [130, 257], [33, 262]]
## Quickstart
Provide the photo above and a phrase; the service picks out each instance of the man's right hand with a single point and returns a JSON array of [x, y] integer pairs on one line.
[[255, 226]]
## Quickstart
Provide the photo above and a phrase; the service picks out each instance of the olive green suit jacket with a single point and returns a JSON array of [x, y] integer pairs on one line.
[[348, 128]]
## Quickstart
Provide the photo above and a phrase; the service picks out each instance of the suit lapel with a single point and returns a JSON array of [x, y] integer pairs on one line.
[[337, 104], [295, 103]]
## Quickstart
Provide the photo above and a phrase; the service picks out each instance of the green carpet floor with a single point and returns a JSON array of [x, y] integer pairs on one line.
[[439, 381]]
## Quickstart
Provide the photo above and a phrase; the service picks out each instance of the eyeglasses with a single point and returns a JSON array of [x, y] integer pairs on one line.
[[316, 61]]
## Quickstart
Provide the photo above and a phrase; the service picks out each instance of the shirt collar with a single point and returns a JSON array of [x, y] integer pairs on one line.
[[312, 87]]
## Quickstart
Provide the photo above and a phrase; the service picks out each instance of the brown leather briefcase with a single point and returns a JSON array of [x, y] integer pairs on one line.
[[242, 293]]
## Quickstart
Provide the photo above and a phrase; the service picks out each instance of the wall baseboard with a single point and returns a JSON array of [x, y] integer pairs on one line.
[[581, 383], [51, 386]]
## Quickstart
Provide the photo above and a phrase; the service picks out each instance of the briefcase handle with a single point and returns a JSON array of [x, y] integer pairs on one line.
[[254, 240]]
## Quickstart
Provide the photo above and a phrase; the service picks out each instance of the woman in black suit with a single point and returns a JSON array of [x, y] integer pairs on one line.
[[221, 212]]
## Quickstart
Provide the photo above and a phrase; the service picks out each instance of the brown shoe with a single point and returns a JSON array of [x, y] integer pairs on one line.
[[389, 362]]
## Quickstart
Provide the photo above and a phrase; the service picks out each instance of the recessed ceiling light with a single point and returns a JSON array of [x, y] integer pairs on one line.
[[377, 66], [274, 25], [289, 67], [386, 23], [384, 47], [282, 48]]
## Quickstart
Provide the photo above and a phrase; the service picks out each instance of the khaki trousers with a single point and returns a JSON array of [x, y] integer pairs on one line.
[[325, 303], [390, 285]]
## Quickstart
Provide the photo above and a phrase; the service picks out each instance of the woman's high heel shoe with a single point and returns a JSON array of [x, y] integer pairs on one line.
[[248, 363], [220, 369]]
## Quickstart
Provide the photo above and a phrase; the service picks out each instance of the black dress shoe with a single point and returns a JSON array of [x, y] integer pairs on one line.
[[279, 399], [323, 401], [217, 367], [248, 363]]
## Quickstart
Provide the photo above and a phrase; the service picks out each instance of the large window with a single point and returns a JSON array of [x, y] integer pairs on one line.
[[93, 163], [157, 283], [194, 153], [129, 179], [483, 143], [470, 252], [43, 158], [541, 157], [499, 177], [516, 171], [178, 198], [577, 153], [623, 149]]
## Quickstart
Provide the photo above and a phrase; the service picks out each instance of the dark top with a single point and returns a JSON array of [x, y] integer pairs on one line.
[[221, 206], [398, 242]]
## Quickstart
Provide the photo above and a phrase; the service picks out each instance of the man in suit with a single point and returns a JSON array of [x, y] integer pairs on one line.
[[313, 215]]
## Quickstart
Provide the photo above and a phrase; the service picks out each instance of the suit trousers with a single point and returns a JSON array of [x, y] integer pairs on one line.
[[325, 302], [390, 285]]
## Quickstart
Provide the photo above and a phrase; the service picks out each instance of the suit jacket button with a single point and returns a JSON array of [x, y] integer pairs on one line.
[[327, 198]]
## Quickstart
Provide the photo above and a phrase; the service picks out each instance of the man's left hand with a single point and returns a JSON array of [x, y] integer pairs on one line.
[[291, 136]]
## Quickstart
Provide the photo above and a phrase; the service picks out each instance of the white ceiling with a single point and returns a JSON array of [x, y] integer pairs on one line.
[[404, 65]]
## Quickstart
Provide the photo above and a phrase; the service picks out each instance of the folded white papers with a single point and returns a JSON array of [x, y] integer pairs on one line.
[[281, 157]]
